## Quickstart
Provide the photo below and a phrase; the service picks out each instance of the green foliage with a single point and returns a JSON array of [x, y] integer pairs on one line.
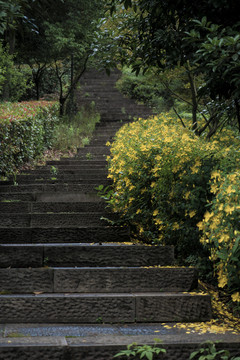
[[26, 129], [145, 89], [208, 351], [15, 77], [163, 184], [71, 133], [135, 351], [199, 38], [62, 42], [221, 230], [160, 90], [218, 57]]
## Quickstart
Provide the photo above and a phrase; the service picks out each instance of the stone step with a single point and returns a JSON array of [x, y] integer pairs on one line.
[[95, 150], [77, 162], [52, 188], [104, 133], [101, 135], [78, 234], [110, 125], [53, 207], [97, 279], [61, 179], [66, 170], [89, 155], [108, 308], [121, 104], [102, 342], [97, 142], [38, 255], [79, 177], [67, 219], [48, 196]]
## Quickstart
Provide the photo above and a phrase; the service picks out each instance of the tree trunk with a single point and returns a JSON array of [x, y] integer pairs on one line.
[[194, 102]]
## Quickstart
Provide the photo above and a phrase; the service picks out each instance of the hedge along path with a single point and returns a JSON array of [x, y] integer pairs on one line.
[[26, 130], [74, 287]]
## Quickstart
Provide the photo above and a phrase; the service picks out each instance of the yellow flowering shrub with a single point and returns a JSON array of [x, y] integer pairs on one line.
[[221, 230], [160, 173], [165, 185]]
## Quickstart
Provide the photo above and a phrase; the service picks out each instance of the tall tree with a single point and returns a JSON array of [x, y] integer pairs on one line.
[[162, 38], [57, 33]]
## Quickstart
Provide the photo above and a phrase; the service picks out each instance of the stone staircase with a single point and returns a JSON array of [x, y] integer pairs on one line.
[[99, 88], [74, 287]]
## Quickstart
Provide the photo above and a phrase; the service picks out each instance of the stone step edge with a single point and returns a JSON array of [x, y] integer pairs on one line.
[[90, 234], [105, 347], [110, 308], [97, 279], [84, 187], [119, 340], [38, 207], [90, 254]]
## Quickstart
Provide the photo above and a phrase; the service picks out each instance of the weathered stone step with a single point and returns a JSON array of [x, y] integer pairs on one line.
[[67, 219], [77, 162], [97, 142], [101, 136], [80, 156], [61, 179], [51, 188], [94, 149], [53, 207], [104, 132], [66, 170], [82, 234], [62, 195], [103, 280], [20, 256], [110, 125], [108, 308], [102, 342], [77, 177], [73, 168], [93, 75]]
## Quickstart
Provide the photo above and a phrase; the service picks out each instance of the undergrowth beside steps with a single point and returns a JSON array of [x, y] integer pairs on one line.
[[177, 189]]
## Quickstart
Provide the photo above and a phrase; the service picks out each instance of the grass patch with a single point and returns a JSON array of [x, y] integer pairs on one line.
[[75, 132], [69, 135]]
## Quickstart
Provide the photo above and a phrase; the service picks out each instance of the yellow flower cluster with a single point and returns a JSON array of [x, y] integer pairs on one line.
[[164, 176], [221, 230]]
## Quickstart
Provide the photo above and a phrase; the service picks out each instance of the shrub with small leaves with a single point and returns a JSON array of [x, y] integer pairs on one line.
[[208, 351], [26, 129], [221, 230], [135, 351], [166, 186]]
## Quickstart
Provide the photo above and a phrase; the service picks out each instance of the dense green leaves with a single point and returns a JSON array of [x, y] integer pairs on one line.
[[26, 129], [203, 38], [50, 34]]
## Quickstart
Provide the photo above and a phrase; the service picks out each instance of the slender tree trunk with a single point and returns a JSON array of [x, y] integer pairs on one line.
[[10, 39], [238, 112], [194, 102]]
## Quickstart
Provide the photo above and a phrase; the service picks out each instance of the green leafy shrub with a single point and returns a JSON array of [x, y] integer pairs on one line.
[[221, 230], [208, 351], [162, 179], [15, 78], [146, 89], [148, 352], [159, 90], [71, 133], [26, 129]]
